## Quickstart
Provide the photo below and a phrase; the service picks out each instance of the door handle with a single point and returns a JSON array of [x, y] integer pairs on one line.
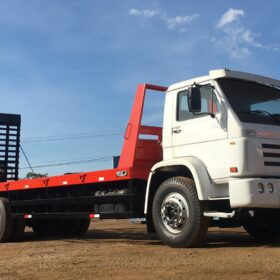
[[177, 130]]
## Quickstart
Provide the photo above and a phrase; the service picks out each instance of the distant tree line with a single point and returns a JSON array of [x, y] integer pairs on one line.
[[33, 175]]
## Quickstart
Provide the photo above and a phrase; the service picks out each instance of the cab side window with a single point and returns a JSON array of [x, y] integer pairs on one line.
[[209, 104], [183, 112]]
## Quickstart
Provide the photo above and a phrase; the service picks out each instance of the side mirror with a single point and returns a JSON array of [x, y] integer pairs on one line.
[[194, 99]]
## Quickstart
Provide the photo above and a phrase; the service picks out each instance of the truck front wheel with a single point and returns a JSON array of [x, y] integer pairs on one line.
[[262, 224], [178, 213]]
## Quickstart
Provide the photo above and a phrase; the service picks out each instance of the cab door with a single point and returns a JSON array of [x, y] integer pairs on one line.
[[201, 135]]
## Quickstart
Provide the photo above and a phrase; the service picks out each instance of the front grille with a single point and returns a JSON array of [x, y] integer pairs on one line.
[[271, 154]]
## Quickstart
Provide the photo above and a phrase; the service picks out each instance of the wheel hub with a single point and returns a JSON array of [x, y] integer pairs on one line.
[[174, 212]]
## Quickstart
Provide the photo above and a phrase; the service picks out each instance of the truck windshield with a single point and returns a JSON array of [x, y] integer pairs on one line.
[[252, 102]]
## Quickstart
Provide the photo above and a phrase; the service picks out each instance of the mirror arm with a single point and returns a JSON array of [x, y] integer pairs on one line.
[[199, 86]]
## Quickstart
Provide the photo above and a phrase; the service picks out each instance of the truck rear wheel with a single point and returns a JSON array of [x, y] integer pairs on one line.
[[178, 213], [61, 228], [262, 225], [18, 229], [45, 227], [74, 227], [83, 227], [6, 221]]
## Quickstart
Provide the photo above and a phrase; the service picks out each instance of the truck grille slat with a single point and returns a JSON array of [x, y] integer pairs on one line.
[[270, 163], [275, 155], [270, 146], [271, 155]]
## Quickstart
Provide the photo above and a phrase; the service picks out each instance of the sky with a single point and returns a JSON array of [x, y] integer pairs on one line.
[[71, 68]]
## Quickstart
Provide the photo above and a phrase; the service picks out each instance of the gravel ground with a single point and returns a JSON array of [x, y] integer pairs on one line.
[[116, 249]]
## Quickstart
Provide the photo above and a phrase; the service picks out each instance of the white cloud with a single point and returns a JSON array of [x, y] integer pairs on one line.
[[171, 22], [235, 38], [236, 41], [145, 13], [230, 16], [174, 22]]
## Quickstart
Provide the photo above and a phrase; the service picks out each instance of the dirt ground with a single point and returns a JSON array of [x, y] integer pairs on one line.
[[121, 250]]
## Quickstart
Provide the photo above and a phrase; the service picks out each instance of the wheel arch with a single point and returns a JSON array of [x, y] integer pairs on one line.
[[189, 167]]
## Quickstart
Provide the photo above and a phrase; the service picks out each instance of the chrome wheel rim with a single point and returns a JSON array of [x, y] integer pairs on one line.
[[174, 212]]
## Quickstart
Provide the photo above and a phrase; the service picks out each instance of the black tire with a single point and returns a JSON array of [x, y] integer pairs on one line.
[[18, 229], [264, 225], [6, 221], [83, 228], [74, 227], [46, 227], [68, 227], [178, 195], [60, 227]]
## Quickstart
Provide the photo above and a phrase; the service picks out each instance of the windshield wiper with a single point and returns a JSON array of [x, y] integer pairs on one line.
[[261, 112]]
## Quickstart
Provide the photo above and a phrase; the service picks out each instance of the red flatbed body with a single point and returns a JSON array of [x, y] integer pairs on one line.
[[137, 157]]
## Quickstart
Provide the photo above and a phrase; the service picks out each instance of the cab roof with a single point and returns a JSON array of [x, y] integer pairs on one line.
[[225, 73]]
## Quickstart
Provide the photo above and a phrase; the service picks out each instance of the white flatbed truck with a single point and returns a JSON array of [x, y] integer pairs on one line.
[[215, 161]]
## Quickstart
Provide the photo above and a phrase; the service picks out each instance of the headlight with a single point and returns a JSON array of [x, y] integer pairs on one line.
[[270, 187], [261, 188]]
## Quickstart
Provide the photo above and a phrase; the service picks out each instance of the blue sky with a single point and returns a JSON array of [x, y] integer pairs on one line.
[[71, 67]]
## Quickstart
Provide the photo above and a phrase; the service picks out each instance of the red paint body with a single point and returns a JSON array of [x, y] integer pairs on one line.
[[137, 157]]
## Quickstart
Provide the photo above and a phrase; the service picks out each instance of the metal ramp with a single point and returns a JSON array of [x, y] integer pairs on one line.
[[9, 146]]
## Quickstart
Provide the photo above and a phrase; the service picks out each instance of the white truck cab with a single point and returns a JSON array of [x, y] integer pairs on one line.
[[222, 131]]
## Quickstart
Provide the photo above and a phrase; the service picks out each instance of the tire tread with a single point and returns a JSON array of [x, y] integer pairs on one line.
[[200, 223]]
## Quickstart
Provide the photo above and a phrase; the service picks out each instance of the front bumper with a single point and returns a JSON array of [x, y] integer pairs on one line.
[[246, 193]]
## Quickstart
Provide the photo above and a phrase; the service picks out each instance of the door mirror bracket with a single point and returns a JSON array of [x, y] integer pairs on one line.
[[194, 101]]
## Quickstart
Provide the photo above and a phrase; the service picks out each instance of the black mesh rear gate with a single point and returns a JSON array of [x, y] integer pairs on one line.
[[9, 146]]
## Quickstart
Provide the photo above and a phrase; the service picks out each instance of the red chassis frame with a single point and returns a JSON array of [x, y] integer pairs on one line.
[[137, 157]]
